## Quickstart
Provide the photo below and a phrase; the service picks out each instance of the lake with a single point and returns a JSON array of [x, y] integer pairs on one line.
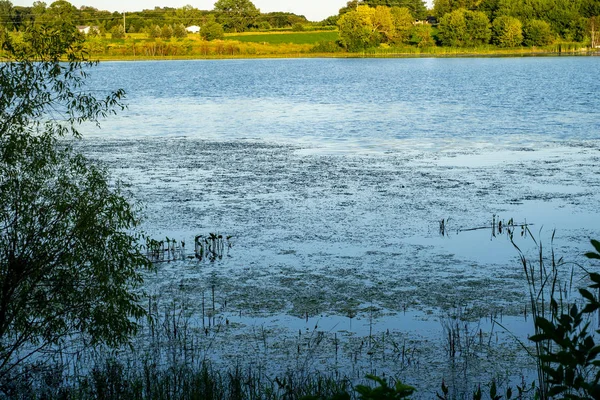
[[333, 177]]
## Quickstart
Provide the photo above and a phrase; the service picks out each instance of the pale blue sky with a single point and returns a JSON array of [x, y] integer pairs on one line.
[[314, 10]]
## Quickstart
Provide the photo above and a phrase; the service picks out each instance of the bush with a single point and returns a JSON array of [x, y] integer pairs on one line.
[[326, 47], [298, 27]]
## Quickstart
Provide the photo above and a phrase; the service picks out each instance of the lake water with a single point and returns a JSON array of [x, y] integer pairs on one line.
[[333, 177]]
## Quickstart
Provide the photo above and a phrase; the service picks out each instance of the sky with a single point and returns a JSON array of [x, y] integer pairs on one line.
[[314, 10]]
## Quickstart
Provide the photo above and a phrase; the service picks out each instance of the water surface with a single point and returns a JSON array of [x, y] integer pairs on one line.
[[333, 177]]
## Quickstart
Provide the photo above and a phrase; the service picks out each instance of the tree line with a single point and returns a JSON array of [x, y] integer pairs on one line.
[[232, 15], [467, 23]]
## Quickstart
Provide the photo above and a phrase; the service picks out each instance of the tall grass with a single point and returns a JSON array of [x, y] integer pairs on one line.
[[547, 286]]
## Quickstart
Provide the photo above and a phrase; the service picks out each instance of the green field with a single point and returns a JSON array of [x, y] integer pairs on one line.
[[287, 37]]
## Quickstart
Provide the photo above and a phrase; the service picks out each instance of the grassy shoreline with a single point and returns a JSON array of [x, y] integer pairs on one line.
[[453, 53]]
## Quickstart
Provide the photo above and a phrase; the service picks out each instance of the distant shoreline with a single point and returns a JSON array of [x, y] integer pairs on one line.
[[458, 54]]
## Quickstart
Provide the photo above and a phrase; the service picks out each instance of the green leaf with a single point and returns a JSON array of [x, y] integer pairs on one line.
[[587, 295]]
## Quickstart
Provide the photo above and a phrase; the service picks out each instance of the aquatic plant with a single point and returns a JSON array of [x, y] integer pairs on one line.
[[165, 250], [211, 247]]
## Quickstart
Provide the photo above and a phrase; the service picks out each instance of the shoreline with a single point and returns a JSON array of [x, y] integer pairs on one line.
[[458, 54]]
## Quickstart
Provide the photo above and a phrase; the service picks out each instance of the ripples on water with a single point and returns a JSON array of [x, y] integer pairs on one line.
[[355, 103]]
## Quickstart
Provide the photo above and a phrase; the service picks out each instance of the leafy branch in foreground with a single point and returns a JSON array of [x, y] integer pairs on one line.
[[570, 357], [68, 258]]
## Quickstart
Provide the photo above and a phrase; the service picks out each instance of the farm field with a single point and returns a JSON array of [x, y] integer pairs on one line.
[[285, 37]]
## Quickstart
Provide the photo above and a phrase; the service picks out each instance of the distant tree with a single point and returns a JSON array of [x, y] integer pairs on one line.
[[383, 23], [236, 15], [331, 20], [351, 5], [507, 32], [154, 32], [464, 28], [489, 7], [179, 31], [417, 8], [421, 36], [478, 28], [590, 8], [69, 255], [166, 32], [211, 29], [22, 17], [453, 29], [537, 33], [403, 24], [282, 19], [59, 13], [443, 7], [6, 14], [117, 32], [38, 9], [594, 23], [564, 16], [187, 16], [356, 29]]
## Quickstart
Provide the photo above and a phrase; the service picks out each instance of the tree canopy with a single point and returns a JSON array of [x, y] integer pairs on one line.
[[568, 19], [69, 260], [236, 15]]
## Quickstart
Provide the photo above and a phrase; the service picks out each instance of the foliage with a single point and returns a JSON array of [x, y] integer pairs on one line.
[[443, 7], [154, 32], [383, 391], [281, 20], [570, 354], [464, 28], [211, 29], [356, 29], [298, 27], [236, 15], [60, 13], [179, 31], [403, 24], [166, 32], [68, 259], [507, 32], [118, 32], [6, 14], [421, 36], [537, 33], [417, 8], [326, 47], [368, 27]]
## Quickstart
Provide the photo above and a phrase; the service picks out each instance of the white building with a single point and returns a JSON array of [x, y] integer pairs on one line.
[[193, 29], [86, 29]]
